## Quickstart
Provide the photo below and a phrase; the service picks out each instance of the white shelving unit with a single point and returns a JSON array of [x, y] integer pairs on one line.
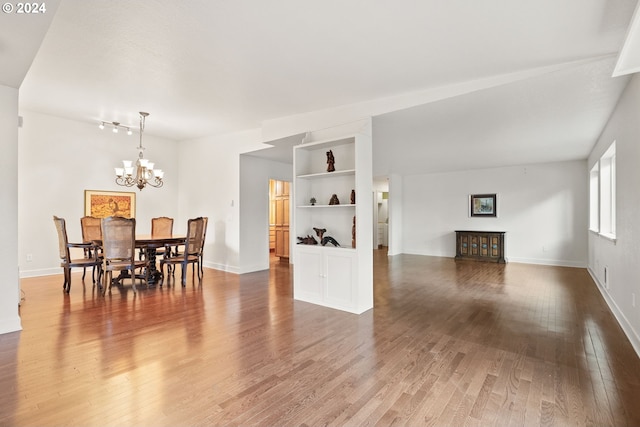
[[336, 277]]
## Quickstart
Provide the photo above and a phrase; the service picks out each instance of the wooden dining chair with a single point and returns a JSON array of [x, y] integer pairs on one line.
[[191, 252], [204, 238], [162, 226], [91, 233], [90, 259], [119, 251], [178, 253]]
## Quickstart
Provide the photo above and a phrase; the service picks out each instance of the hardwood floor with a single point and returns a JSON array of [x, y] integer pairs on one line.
[[448, 343]]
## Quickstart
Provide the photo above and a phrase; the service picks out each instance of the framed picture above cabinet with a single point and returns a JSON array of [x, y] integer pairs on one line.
[[483, 205]]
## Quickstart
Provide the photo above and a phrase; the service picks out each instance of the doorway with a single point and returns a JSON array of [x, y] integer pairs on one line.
[[381, 213], [279, 220]]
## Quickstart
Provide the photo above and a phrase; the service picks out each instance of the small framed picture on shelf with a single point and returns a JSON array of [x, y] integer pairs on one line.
[[483, 205]]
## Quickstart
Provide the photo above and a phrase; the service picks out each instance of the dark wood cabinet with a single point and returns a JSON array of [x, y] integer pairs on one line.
[[480, 245]]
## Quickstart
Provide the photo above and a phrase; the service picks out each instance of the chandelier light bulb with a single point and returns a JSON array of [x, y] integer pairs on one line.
[[129, 131], [101, 125]]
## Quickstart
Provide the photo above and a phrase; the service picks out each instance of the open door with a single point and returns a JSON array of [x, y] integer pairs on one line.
[[279, 218]]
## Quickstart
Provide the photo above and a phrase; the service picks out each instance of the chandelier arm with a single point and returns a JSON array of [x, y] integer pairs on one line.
[[123, 181], [158, 183]]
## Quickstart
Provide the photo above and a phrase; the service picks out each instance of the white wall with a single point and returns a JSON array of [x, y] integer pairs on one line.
[[254, 215], [57, 160], [9, 285], [622, 257], [210, 186], [541, 207]]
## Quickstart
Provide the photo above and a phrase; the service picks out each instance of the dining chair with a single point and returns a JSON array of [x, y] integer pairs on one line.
[[204, 237], [162, 226], [91, 258], [119, 251], [191, 252], [91, 233]]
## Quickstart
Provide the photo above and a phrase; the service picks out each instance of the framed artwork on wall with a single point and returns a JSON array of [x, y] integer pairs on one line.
[[102, 204], [483, 205]]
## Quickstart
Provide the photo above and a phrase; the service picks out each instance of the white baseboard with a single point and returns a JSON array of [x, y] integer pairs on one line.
[[41, 272], [554, 262], [627, 328], [10, 325], [222, 267], [538, 261]]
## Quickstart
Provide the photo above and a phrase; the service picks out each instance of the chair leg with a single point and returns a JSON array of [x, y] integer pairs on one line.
[[162, 275], [67, 280], [106, 278], [184, 275], [98, 279], [133, 280]]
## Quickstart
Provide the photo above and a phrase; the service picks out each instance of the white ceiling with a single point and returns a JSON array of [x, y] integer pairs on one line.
[[206, 67]]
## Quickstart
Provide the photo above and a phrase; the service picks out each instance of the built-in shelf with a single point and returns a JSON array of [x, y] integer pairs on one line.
[[328, 174], [337, 277]]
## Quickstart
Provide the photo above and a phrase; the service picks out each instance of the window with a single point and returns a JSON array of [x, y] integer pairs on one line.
[[594, 199], [602, 194]]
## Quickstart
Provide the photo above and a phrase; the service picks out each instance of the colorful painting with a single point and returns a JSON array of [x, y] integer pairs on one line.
[[101, 204]]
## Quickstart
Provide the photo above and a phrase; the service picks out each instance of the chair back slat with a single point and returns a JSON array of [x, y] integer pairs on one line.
[[205, 221], [162, 226], [91, 229], [61, 228], [195, 236], [118, 238]]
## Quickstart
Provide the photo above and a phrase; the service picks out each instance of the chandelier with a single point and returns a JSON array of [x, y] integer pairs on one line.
[[144, 169]]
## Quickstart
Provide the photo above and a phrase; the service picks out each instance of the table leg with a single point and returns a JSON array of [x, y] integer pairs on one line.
[[155, 276]]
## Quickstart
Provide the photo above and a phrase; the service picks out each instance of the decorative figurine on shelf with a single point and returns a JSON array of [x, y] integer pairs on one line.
[[308, 240], [325, 239], [330, 161], [312, 201], [319, 232], [334, 200], [329, 239], [353, 233], [353, 197]]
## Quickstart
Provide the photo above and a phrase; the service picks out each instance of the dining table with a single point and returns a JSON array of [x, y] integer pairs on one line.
[[150, 243]]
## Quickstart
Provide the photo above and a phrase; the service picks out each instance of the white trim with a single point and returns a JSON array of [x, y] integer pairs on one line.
[[222, 267], [628, 60], [10, 325], [551, 262], [609, 237], [624, 323], [42, 272]]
